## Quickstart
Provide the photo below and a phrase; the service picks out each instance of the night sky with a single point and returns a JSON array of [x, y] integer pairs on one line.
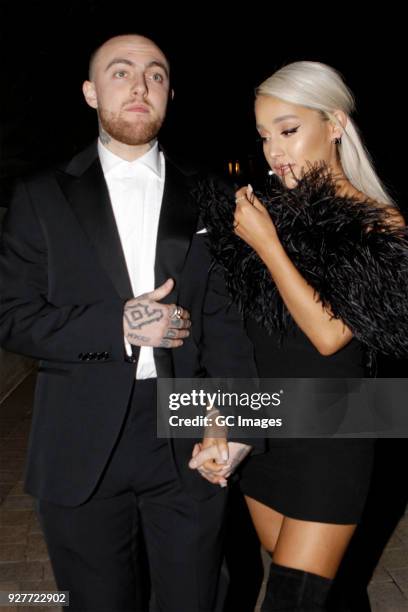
[[216, 64]]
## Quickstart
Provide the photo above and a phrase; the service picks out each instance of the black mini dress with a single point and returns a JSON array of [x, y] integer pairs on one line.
[[313, 479]]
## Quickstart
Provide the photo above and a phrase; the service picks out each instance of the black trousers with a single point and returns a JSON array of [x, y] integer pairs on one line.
[[94, 547]]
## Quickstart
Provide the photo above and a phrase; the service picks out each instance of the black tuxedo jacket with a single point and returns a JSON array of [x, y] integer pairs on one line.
[[64, 282]]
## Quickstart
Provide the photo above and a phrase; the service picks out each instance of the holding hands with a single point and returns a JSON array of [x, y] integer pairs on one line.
[[208, 459], [215, 458]]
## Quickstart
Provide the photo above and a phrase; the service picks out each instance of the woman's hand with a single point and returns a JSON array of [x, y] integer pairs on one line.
[[210, 459], [254, 225], [252, 222], [213, 464]]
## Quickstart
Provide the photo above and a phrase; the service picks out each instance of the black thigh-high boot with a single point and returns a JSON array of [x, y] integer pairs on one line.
[[296, 590]]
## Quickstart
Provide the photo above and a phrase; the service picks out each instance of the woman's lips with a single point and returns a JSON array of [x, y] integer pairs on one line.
[[283, 169]]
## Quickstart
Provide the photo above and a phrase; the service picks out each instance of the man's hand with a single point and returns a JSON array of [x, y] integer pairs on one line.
[[209, 459], [146, 322]]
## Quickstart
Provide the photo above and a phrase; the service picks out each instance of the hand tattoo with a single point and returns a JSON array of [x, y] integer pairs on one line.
[[180, 323], [171, 333], [141, 314], [137, 337]]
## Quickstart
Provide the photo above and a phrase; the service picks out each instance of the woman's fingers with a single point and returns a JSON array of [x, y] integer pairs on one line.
[[222, 450], [196, 449], [241, 194], [257, 204], [212, 466]]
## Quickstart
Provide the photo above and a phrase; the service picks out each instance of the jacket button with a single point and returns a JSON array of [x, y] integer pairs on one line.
[[130, 358]]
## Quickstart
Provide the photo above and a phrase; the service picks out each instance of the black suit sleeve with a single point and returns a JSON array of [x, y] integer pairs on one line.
[[29, 323], [226, 349]]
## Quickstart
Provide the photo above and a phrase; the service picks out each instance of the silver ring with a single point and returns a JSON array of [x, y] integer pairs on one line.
[[176, 314], [240, 198]]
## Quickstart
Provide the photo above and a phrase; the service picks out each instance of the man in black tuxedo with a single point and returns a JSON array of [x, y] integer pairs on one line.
[[78, 243]]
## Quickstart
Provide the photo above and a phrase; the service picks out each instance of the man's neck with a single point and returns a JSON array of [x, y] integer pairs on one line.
[[125, 151]]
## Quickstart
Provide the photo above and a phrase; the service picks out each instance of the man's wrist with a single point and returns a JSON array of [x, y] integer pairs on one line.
[[214, 430]]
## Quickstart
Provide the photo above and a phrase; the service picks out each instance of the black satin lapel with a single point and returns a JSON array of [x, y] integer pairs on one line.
[[89, 198], [177, 225]]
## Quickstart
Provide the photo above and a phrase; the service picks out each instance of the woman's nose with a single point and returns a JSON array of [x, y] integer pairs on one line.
[[274, 150]]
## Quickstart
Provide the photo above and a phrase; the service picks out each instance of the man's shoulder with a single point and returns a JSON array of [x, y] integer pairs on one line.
[[186, 167], [73, 164], [196, 170]]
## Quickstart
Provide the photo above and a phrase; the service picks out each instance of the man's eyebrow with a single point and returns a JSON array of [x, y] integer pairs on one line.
[[118, 60], [122, 60], [159, 65]]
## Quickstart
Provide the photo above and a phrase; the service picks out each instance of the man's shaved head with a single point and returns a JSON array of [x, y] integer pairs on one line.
[[95, 56]]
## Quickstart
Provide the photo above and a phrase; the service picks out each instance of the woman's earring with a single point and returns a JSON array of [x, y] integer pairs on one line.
[[337, 141]]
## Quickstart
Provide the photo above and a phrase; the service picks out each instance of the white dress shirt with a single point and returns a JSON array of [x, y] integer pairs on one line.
[[136, 192]]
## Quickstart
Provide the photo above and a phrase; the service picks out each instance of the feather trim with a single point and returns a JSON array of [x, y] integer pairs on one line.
[[346, 249]]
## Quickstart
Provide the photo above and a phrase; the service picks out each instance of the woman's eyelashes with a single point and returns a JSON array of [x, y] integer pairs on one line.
[[291, 131], [286, 133]]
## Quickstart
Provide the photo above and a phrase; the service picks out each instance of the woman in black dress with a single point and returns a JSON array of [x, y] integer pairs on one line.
[[305, 265]]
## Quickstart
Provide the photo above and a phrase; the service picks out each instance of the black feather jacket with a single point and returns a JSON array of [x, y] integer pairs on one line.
[[347, 250]]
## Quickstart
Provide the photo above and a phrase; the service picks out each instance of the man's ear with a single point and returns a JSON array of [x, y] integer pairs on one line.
[[88, 89]]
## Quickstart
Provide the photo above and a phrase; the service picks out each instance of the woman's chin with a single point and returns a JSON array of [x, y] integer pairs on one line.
[[290, 182]]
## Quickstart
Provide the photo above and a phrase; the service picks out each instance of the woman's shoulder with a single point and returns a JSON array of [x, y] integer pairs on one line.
[[391, 215]]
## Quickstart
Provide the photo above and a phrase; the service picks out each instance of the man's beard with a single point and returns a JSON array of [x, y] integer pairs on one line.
[[129, 132]]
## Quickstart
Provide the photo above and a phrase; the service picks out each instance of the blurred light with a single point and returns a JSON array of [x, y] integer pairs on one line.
[[234, 168]]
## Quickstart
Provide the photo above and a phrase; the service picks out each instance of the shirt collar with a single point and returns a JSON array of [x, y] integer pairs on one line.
[[151, 160]]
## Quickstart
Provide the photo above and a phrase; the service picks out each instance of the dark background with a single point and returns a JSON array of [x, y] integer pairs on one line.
[[219, 53], [217, 60]]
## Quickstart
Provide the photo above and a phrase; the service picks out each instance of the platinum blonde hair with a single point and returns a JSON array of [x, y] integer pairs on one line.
[[320, 87]]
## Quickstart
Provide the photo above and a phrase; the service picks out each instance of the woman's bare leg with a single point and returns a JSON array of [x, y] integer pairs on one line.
[[312, 547], [267, 523], [305, 557], [309, 546]]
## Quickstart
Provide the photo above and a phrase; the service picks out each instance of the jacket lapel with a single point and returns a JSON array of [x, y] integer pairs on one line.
[[177, 225], [85, 188]]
